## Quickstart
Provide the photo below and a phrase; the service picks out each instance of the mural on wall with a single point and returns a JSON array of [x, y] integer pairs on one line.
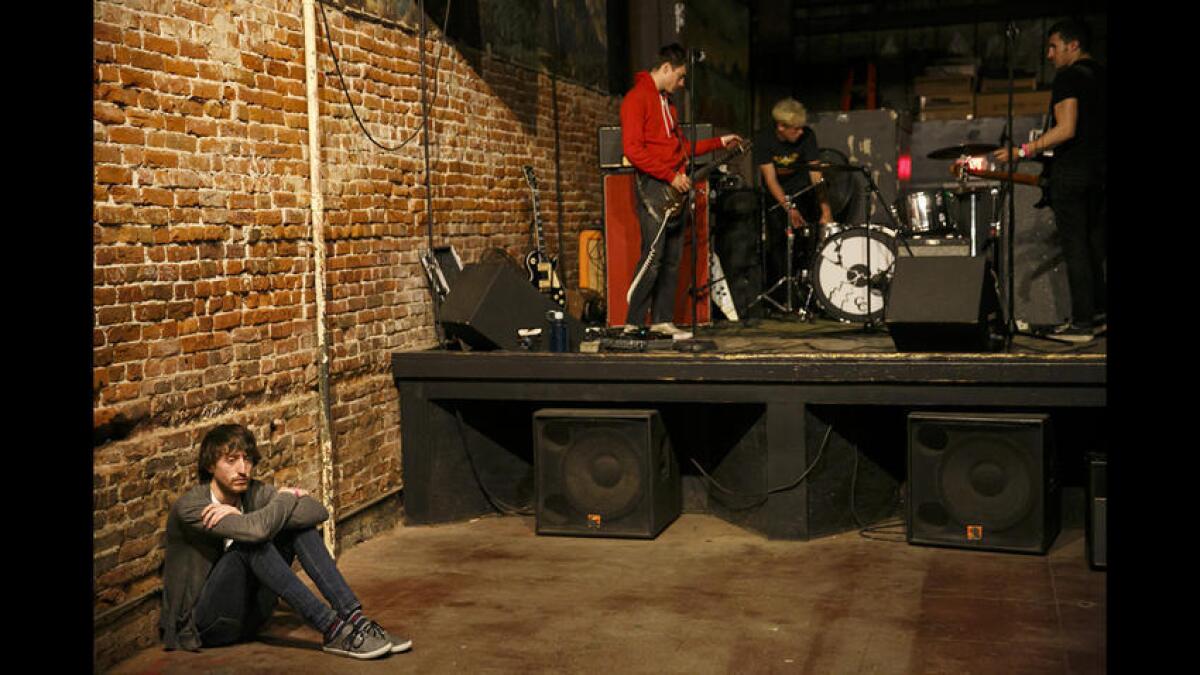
[[721, 29], [526, 32], [565, 37]]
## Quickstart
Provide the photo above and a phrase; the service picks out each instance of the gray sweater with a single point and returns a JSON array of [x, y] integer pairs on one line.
[[193, 549]]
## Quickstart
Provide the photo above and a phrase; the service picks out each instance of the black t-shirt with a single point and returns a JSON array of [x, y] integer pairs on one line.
[[787, 157], [1087, 82]]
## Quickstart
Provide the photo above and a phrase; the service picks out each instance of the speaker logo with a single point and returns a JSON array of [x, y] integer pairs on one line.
[[594, 520], [974, 533]]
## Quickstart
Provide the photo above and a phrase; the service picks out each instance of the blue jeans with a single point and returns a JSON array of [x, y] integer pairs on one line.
[[240, 593]]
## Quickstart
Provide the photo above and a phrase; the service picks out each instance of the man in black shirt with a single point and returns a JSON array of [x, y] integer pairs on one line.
[[780, 154], [1078, 175]]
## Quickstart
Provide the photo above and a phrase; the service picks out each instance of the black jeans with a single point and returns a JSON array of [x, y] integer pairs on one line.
[[241, 590], [657, 273], [1080, 214]]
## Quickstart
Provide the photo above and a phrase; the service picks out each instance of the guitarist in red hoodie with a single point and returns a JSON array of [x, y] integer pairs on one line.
[[654, 143]]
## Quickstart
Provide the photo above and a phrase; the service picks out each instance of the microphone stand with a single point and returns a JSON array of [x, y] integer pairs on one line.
[[1010, 34], [873, 189], [689, 204]]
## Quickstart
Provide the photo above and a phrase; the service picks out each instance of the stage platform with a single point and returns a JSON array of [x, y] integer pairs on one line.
[[756, 411]]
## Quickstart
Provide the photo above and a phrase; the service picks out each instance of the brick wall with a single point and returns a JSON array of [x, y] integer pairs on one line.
[[203, 272]]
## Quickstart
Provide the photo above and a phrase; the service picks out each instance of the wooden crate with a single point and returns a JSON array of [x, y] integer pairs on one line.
[[994, 84], [946, 113], [1024, 103], [942, 85], [946, 101]]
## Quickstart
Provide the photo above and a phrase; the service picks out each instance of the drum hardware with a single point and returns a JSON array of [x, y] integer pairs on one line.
[[789, 277]]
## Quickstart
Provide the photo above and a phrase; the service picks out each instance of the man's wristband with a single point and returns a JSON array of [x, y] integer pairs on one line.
[[1024, 151]]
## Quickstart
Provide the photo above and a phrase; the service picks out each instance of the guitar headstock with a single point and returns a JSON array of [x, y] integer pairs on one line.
[[529, 177]]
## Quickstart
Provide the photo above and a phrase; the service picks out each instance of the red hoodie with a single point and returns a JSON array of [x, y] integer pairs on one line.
[[650, 134]]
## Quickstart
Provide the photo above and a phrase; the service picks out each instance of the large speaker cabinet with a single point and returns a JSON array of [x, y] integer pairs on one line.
[[623, 241], [983, 481], [604, 473], [1097, 511]]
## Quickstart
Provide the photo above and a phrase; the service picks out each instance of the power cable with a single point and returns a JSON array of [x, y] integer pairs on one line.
[[496, 503], [346, 90], [762, 497]]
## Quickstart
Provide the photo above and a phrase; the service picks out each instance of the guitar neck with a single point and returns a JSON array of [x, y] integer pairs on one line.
[[537, 210], [1022, 178], [703, 172]]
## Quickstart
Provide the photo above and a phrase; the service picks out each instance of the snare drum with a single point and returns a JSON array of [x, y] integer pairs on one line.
[[927, 212], [827, 230]]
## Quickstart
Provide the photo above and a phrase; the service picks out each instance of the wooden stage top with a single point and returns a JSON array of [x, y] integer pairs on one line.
[[824, 354]]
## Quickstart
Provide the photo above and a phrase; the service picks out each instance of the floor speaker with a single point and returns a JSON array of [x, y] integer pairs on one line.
[[982, 481], [941, 304], [604, 473], [1097, 511], [490, 302]]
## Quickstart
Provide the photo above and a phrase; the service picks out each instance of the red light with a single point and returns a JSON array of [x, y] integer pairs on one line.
[[904, 167]]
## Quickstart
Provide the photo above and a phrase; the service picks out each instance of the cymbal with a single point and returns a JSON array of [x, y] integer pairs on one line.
[[956, 151], [828, 166]]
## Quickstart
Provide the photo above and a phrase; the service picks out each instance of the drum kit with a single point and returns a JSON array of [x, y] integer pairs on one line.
[[851, 266]]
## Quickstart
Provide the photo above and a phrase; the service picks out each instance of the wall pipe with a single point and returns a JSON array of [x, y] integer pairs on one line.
[[317, 204]]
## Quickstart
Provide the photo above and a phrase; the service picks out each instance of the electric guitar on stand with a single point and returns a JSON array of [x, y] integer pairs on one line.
[[541, 267]]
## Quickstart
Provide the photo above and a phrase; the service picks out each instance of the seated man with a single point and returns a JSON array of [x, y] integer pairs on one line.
[[230, 544]]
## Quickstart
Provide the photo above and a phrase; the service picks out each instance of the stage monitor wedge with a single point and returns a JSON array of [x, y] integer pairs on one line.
[[490, 302], [941, 304]]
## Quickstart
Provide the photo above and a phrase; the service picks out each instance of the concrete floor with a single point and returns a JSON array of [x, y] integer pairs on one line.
[[490, 596]]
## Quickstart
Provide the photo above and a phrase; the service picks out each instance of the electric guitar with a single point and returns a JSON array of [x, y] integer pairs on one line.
[[540, 266], [1036, 180], [672, 199]]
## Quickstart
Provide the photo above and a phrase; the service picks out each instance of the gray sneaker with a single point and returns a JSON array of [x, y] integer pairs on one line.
[[357, 643], [1075, 333], [399, 644]]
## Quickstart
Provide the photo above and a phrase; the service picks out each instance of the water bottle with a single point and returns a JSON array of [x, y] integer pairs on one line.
[[558, 331]]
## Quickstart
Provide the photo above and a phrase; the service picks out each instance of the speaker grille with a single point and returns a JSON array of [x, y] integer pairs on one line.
[[604, 473], [982, 481]]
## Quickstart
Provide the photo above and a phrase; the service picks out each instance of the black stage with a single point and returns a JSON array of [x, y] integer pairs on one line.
[[754, 414]]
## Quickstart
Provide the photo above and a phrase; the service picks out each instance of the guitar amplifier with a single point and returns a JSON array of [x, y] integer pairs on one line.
[[612, 157]]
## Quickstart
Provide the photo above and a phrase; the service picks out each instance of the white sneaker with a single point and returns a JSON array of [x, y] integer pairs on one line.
[[671, 329]]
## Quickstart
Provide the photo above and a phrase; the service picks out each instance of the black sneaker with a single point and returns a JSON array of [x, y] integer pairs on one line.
[[371, 628], [357, 643]]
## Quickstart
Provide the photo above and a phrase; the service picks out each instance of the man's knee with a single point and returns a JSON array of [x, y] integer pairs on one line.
[[222, 631]]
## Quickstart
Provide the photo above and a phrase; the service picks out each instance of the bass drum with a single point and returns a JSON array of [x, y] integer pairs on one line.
[[839, 272]]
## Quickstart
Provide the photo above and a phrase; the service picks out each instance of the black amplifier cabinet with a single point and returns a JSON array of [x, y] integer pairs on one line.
[[611, 156]]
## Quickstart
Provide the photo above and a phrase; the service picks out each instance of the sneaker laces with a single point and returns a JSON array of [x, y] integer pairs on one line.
[[371, 628]]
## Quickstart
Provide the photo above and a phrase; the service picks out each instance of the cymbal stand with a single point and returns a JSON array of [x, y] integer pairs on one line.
[[789, 276]]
